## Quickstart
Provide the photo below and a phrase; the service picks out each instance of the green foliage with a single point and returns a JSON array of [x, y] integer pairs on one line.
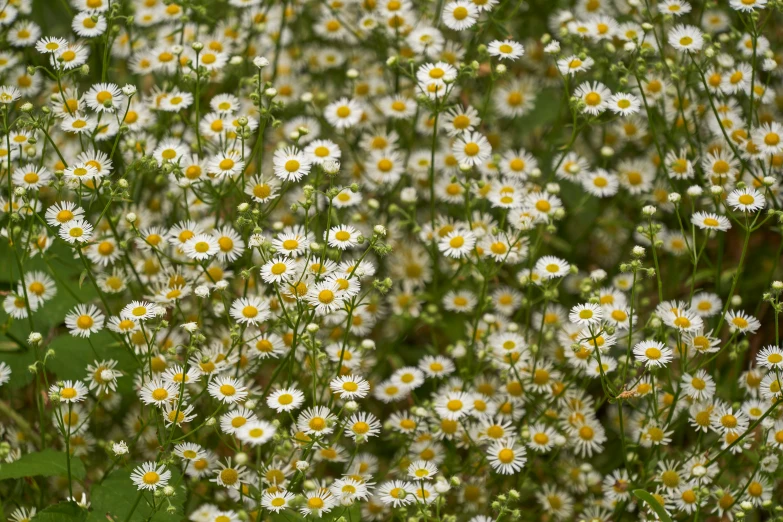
[[654, 504], [62, 512], [46, 463], [117, 495]]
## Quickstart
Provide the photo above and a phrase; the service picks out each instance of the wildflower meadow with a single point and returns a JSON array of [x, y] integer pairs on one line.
[[391, 260]]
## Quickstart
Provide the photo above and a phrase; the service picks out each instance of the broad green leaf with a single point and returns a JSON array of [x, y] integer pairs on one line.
[[117, 495], [19, 360], [46, 463], [62, 512], [654, 504], [73, 354]]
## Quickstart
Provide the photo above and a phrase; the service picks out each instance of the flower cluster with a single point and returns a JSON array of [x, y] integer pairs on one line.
[[453, 261]]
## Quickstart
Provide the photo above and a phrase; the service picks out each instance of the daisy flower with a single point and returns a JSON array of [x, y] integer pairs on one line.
[[70, 391], [227, 164], [741, 322], [770, 357], [249, 310], [775, 435], [363, 425], [699, 386], [76, 231], [230, 243], [710, 221], [84, 320], [587, 437], [150, 476], [674, 7], [601, 183], [262, 188], [158, 392], [39, 285], [286, 399], [506, 456], [230, 476], [706, 304], [408, 377], [350, 387], [201, 247], [461, 120], [682, 319], [31, 176], [291, 164], [316, 421], [457, 244], [342, 237], [624, 104], [436, 365], [595, 96], [81, 173], [542, 438], [85, 26], [653, 354], [507, 49], [550, 267], [256, 433], [235, 419], [175, 413], [746, 200], [278, 269], [454, 405], [62, 212], [104, 97], [769, 138], [471, 149], [343, 113], [291, 243], [141, 310], [422, 470], [102, 376], [586, 314], [325, 297], [317, 503], [747, 6], [50, 44], [397, 493], [5, 373], [574, 64], [686, 38], [321, 151], [460, 15], [276, 501], [227, 389]]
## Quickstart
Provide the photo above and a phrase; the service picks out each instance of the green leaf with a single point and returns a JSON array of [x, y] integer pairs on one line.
[[19, 361], [46, 463], [73, 354], [117, 495], [654, 504], [286, 516], [62, 512]]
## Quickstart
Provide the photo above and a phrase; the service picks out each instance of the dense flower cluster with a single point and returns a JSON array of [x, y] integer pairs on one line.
[[454, 261]]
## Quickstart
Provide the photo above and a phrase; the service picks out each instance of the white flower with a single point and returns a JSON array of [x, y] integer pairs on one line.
[[652, 353], [227, 389], [460, 15], [507, 49], [746, 200], [149, 476], [686, 38]]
